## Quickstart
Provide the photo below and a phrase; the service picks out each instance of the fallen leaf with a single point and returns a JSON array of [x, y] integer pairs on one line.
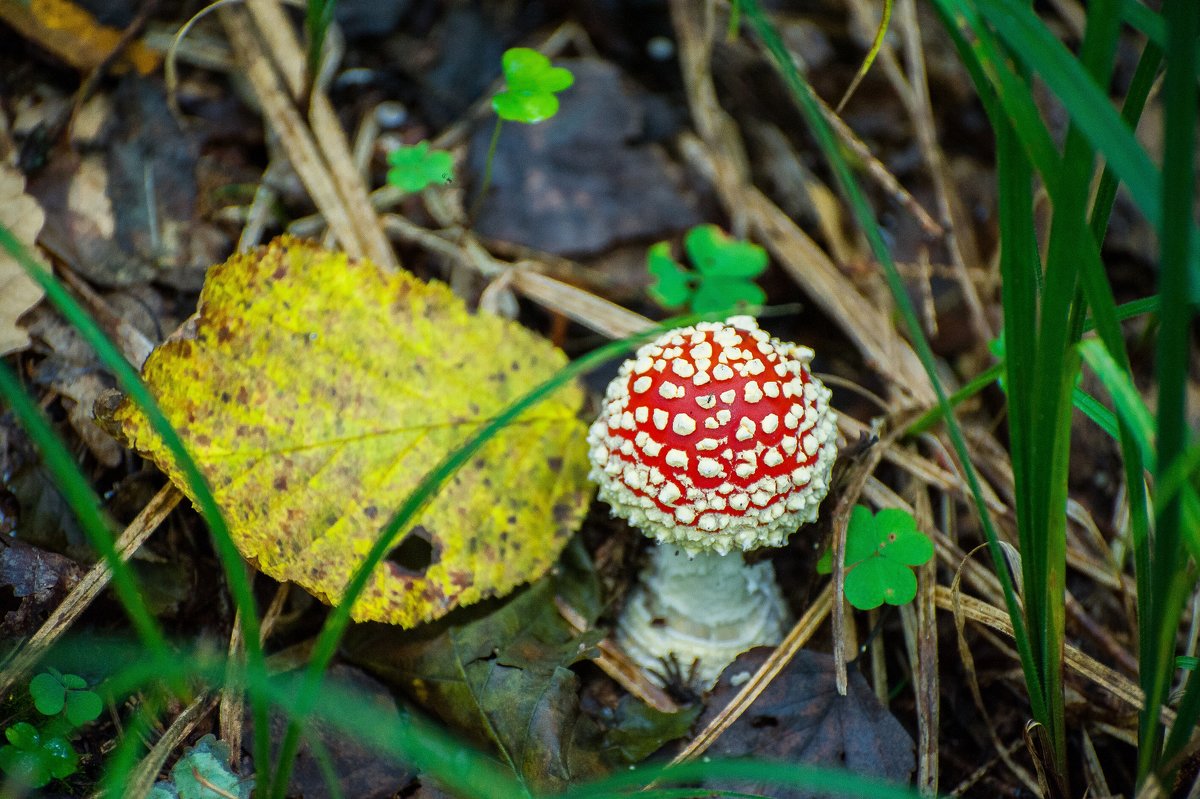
[[315, 392], [73, 34], [501, 678], [37, 579], [46, 520], [71, 370], [20, 215], [800, 718], [639, 730], [128, 210]]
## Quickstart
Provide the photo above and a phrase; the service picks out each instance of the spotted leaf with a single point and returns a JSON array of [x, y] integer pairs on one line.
[[316, 391]]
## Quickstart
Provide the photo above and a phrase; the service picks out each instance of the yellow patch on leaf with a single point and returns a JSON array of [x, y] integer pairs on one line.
[[315, 392], [71, 32]]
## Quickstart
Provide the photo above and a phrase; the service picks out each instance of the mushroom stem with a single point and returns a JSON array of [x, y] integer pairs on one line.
[[701, 610]]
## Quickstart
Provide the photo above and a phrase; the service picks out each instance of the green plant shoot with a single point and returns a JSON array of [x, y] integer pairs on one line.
[[881, 548], [723, 277], [532, 83], [415, 168]]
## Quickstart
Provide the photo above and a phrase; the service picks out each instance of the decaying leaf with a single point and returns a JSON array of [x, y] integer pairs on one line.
[[315, 392], [21, 215], [638, 730], [71, 32], [37, 579], [501, 680], [72, 370], [801, 718]]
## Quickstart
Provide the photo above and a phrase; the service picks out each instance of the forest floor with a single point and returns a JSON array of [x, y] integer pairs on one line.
[[145, 182]]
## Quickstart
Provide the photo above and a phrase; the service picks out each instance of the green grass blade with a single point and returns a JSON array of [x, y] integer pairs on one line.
[[1125, 398], [129, 381], [1037, 47], [808, 106], [457, 767], [85, 505], [1020, 268], [339, 618], [317, 19], [1015, 99], [1099, 295], [1088, 105], [1151, 24], [1131, 111], [1177, 270], [1129, 310], [1181, 476], [1059, 327], [826, 781], [1102, 417]]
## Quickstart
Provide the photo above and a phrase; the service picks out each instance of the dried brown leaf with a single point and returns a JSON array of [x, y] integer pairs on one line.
[[21, 215]]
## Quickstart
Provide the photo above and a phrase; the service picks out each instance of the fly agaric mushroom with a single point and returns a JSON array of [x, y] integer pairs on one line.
[[712, 438]]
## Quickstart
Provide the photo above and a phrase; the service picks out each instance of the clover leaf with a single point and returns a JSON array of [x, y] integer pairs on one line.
[[416, 167], [672, 283], [33, 760], [881, 548], [53, 692], [531, 85], [715, 254], [724, 270]]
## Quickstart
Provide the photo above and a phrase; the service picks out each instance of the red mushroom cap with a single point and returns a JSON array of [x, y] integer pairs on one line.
[[715, 437]]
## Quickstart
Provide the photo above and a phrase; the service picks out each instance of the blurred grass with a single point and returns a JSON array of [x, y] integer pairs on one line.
[[131, 383], [84, 503]]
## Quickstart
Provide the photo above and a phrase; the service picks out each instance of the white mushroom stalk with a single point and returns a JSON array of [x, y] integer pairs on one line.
[[697, 613], [712, 438]]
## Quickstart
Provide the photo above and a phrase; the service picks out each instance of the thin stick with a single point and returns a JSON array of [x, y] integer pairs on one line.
[[616, 664], [87, 589], [768, 671]]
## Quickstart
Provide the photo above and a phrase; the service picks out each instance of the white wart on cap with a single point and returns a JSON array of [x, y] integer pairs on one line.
[[715, 437]]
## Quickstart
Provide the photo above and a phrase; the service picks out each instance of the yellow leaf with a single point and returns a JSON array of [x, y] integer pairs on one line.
[[315, 392], [71, 32], [21, 215]]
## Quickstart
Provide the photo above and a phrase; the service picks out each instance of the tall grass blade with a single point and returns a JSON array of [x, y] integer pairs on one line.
[[131, 384], [85, 505], [807, 104], [1037, 47], [1178, 274], [339, 618], [456, 767], [1060, 319], [825, 781], [1020, 268], [317, 19]]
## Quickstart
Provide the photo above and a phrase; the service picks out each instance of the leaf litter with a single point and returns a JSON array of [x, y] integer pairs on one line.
[[800, 718], [23, 217], [502, 676]]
